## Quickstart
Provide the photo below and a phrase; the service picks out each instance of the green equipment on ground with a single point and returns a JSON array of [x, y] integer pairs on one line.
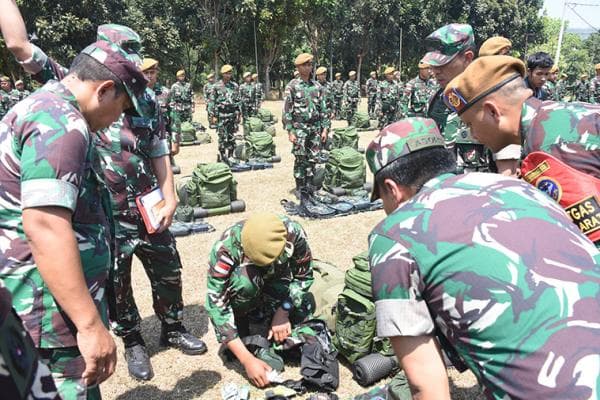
[[266, 116], [327, 285], [255, 124], [373, 367], [345, 137], [345, 171], [193, 133], [361, 120], [397, 389], [257, 147]]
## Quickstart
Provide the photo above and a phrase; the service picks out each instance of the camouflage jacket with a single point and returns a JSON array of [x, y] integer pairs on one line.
[[372, 86], [162, 94], [181, 97], [351, 92], [550, 89], [248, 93], [48, 159], [416, 95], [561, 90], [582, 91], [225, 99], [449, 259], [260, 92], [14, 97], [207, 90], [305, 105], [4, 103], [387, 97], [337, 88], [328, 95], [229, 268], [595, 90], [23, 93], [568, 131]]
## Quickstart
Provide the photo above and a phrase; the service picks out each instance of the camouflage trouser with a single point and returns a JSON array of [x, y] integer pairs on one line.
[[67, 366], [249, 110], [177, 118], [388, 117], [226, 128], [160, 258], [411, 114], [337, 107], [371, 104], [305, 150], [350, 111]]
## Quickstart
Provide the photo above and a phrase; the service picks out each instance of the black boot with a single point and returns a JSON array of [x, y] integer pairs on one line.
[[179, 338], [138, 362], [223, 157], [299, 185]]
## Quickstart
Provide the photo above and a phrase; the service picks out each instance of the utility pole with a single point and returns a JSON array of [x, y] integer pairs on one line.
[[255, 45], [400, 54], [560, 34]]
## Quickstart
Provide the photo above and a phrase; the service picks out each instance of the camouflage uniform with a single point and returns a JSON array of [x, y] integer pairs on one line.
[[22, 374], [23, 93], [181, 104], [351, 99], [386, 102], [448, 260], [372, 89], [561, 90], [550, 89], [4, 103], [236, 286], [305, 115], [47, 140], [337, 90], [248, 97], [260, 94], [162, 94], [400, 90], [328, 96], [595, 90], [582, 91], [416, 96], [225, 104]]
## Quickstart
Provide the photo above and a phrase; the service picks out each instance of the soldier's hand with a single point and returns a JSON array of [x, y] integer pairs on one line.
[[324, 135], [214, 120], [256, 370], [292, 137], [174, 148], [165, 216], [281, 327], [99, 353]]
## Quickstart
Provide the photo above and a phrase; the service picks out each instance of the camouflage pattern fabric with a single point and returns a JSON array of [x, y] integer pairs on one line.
[[181, 105], [305, 115], [162, 94], [22, 374], [438, 111], [226, 105], [351, 92], [416, 96], [561, 90], [260, 94], [67, 366], [594, 90], [449, 259], [4, 103], [23, 93], [387, 102], [327, 93], [236, 286], [446, 42], [14, 97], [582, 91], [550, 89], [372, 88], [337, 90], [248, 98], [207, 91]]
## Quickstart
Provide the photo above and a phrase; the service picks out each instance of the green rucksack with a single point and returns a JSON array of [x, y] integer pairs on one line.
[[266, 116], [344, 169], [188, 132], [259, 145], [211, 185], [253, 124], [359, 277], [355, 325], [328, 284], [345, 137], [204, 137], [361, 120]]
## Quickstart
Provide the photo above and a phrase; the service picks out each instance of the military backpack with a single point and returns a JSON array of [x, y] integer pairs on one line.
[[361, 120], [211, 185], [345, 137], [344, 169], [259, 145], [188, 132]]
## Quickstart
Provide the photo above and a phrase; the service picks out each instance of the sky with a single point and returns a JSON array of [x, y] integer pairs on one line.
[[554, 9]]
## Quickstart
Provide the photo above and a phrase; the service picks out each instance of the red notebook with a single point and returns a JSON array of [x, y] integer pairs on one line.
[[149, 205]]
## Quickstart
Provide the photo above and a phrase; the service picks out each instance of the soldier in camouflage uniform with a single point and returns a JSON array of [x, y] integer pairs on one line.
[[351, 92], [225, 109], [387, 99], [181, 104], [400, 90], [262, 264], [57, 200], [259, 90], [550, 85], [595, 86], [22, 373], [8, 96], [532, 122], [417, 93], [337, 89], [20, 87], [248, 97], [372, 88], [207, 90], [581, 90], [561, 90], [321, 74], [446, 262], [451, 49], [306, 120]]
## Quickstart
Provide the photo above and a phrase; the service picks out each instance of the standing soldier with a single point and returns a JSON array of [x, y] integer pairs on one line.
[[225, 109], [181, 102], [561, 91], [387, 99], [259, 90], [372, 87], [306, 120], [351, 96], [595, 86], [337, 88], [550, 85], [20, 87], [4, 95], [248, 96], [582, 90], [417, 92], [321, 74], [207, 90]]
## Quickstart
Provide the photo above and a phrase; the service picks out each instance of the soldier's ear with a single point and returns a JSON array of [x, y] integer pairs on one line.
[[104, 89]]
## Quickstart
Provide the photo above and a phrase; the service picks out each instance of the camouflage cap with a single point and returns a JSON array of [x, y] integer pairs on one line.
[[263, 238], [389, 70], [148, 63], [246, 74], [447, 42], [321, 70], [124, 37], [373, 73], [399, 139], [303, 58], [493, 45], [226, 69], [114, 59]]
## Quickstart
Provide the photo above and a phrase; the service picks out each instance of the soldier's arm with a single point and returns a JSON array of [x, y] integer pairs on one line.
[[301, 264], [288, 108]]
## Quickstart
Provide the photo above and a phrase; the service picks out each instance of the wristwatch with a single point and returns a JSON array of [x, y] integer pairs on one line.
[[287, 305]]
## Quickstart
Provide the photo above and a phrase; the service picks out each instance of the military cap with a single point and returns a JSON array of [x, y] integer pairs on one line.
[[263, 238], [149, 63], [597, 66], [303, 58], [4, 78], [296, 73], [493, 45], [181, 72], [563, 75], [115, 60], [447, 42], [399, 139], [423, 65], [211, 75], [554, 69], [226, 68], [482, 77], [254, 76], [19, 82], [246, 74], [321, 70], [338, 74], [373, 73], [583, 76], [388, 70], [352, 73], [124, 37]]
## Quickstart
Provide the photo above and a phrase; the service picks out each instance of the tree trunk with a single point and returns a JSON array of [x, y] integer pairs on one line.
[[360, 60], [267, 81]]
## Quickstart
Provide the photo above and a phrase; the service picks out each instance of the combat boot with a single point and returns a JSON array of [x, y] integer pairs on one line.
[[138, 361], [299, 185], [178, 337], [222, 157]]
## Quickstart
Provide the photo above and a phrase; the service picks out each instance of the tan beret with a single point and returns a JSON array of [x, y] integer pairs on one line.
[[422, 65], [563, 75], [373, 73], [388, 70], [338, 74], [180, 72], [321, 70], [254, 76], [352, 73], [246, 74], [493, 45], [482, 77], [226, 68], [211, 75], [303, 58], [583, 76], [263, 238], [554, 69], [148, 63], [597, 66], [4, 78], [19, 82]]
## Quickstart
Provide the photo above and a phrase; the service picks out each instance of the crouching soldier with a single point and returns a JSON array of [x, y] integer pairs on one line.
[[263, 264]]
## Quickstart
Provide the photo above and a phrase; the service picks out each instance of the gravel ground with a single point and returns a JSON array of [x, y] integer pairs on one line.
[[182, 377]]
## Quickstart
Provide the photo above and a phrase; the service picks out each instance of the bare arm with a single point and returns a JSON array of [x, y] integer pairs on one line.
[[164, 174], [48, 230], [14, 31], [255, 369], [422, 362]]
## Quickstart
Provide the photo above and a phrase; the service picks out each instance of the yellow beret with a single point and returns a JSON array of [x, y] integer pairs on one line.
[[4, 78], [493, 45], [254, 76], [373, 73], [263, 238], [554, 69], [583, 76], [321, 70], [19, 82], [180, 72], [211, 75], [597, 66], [226, 68], [246, 74], [338, 74], [482, 77], [352, 73], [388, 70], [149, 63], [303, 58], [422, 65], [563, 75]]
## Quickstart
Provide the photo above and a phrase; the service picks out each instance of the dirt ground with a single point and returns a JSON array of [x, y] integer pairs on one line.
[[337, 240]]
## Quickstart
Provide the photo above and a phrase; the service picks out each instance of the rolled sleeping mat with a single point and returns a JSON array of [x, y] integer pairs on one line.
[[275, 159], [235, 206], [193, 143], [176, 169], [368, 186], [338, 191], [179, 229], [372, 368]]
